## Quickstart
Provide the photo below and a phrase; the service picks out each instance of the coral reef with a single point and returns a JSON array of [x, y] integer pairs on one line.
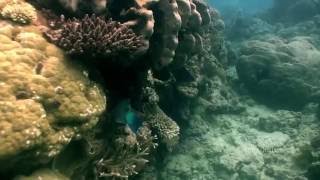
[[225, 137], [19, 12], [286, 70], [164, 25], [128, 155], [94, 36], [45, 100], [54, 109], [235, 146], [140, 19], [169, 27]]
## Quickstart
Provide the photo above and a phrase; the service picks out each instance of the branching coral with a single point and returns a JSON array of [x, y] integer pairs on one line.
[[129, 154], [94, 36], [19, 12]]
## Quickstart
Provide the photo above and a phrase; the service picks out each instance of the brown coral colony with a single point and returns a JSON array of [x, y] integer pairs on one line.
[[95, 36]]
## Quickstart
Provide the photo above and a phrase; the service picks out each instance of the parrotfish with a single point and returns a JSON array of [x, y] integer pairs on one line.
[[125, 114]]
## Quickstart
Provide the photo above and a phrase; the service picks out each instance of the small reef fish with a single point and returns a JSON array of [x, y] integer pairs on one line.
[[125, 114]]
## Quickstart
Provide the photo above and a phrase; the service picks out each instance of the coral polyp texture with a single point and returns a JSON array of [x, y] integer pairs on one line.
[[95, 36], [44, 101], [166, 128], [19, 12]]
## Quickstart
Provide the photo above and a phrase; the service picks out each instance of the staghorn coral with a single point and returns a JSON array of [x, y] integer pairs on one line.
[[94, 36], [19, 12], [128, 155], [45, 101]]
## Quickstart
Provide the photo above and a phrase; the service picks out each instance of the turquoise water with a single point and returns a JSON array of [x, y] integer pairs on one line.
[[250, 6]]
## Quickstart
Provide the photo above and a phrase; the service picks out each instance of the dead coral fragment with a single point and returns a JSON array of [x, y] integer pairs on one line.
[[19, 12], [94, 36]]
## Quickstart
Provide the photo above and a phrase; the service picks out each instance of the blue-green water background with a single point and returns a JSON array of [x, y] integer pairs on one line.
[[247, 6]]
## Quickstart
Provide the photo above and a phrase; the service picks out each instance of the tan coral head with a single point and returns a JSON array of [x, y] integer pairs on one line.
[[19, 12]]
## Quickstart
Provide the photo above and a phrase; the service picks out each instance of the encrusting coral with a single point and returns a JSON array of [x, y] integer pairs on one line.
[[19, 12], [94, 36], [45, 101]]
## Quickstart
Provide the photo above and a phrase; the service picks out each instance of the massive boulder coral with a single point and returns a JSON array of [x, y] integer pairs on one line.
[[281, 71], [140, 19], [168, 29], [45, 101], [177, 26]]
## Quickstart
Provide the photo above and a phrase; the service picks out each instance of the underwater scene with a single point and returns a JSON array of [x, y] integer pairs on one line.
[[159, 89]]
